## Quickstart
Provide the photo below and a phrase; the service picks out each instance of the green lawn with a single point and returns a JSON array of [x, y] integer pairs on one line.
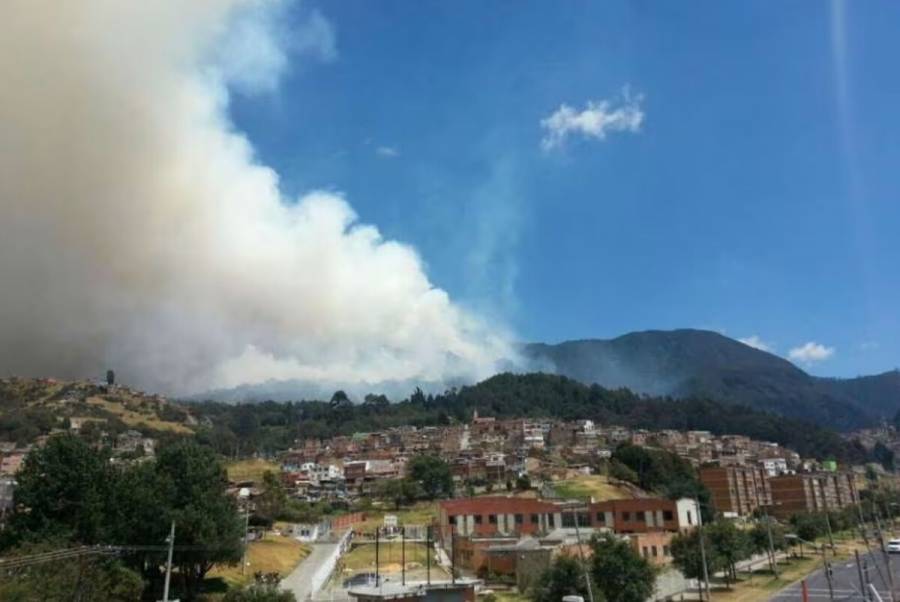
[[250, 470], [586, 486], [362, 558]]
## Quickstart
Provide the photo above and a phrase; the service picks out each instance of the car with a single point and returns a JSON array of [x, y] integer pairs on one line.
[[893, 546]]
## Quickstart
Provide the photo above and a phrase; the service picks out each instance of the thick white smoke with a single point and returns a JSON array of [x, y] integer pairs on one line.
[[139, 232]]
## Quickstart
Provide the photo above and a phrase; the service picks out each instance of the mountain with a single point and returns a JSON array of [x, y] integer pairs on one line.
[[685, 363]]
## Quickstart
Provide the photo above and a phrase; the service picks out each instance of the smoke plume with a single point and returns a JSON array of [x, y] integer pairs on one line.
[[139, 232]]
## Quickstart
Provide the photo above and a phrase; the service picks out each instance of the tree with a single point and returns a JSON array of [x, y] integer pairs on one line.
[[399, 491], [730, 544], [687, 557], [272, 502], [62, 492], [620, 573], [564, 577], [378, 402], [206, 518], [883, 455], [809, 525], [340, 399], [433, 476], [88, 578]]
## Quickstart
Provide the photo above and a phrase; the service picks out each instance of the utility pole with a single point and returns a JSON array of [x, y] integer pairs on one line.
[[246, 536], [403, 555], [587, 577], [862, 580], [702, 548], [828, 576], [429, 550], [884, 553], [453, 557], [828, 525], [171, 541], [377, 576], [771, 543]]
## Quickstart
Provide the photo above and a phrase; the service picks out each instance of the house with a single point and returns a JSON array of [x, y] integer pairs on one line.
[[308, 532], [10, 464]]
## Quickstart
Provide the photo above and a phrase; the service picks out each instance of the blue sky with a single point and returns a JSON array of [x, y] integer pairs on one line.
[[757, 196]]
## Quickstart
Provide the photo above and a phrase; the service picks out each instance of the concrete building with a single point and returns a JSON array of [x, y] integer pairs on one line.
[[736, 490], [812, 492]]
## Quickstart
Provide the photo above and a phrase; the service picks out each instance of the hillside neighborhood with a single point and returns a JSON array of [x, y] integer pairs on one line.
[[495, 501]]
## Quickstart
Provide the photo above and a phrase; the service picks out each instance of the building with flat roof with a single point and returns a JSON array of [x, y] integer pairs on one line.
[[812, 492], [737, 490]]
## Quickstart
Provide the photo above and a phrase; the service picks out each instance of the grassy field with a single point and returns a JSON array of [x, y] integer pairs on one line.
[[596, 486], [274, 553], [421, 513], [133, 418], [250, 470], [362, 558]]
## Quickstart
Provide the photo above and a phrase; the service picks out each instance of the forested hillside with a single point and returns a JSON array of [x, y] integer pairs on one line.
[[270, 426], [698, 363]]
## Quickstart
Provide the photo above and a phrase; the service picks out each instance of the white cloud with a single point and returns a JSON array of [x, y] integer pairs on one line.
[[869, 346], [811, 352], [387, 152], [598, 118], [757, 343]]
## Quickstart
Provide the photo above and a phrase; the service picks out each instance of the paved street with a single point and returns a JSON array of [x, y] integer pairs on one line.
[[301, 580], [845, 580]]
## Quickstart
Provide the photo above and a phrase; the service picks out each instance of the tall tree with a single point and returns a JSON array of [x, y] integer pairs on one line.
[[62, 492], [730, 544], [564, 577], [87, 578], [621, 573], [432, 474], [206, 517]]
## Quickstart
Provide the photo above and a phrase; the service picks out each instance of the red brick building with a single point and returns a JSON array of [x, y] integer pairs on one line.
[[498, 516], [812, 492], [737, 489]]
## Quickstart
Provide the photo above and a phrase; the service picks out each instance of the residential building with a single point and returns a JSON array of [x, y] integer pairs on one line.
[[812, 492], [736, 490]]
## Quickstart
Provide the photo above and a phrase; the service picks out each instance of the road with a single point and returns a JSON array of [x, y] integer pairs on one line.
[[308, 573], [845, 580]]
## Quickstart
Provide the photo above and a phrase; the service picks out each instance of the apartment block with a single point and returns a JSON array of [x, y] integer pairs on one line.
[[737, 490]]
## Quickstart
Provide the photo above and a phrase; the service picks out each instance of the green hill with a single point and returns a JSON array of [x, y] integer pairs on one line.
[[685, 363], [31, 408]]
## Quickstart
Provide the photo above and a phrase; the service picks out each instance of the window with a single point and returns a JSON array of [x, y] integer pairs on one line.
[[551, 521], [645, 552], [520, 519], [451, 520], [666, 551], [626, 516], [667, 515], [640, 516], [653, 551], [690, 518], [601, 518], [535, 519], [477, 519], [492, 519]]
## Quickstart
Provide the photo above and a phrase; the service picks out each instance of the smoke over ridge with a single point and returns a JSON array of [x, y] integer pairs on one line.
[[138, 230]]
